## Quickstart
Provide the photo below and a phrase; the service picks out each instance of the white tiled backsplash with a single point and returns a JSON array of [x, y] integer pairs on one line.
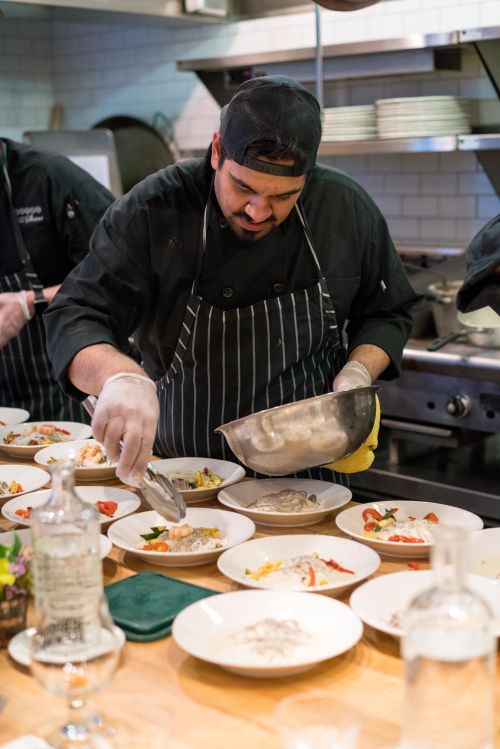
[[99, 69]]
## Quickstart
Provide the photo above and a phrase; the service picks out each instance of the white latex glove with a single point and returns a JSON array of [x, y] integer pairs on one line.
[[14, 314], [352, 375], [127, 409]]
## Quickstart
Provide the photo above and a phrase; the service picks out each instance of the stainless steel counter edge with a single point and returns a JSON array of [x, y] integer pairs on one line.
[[454, 358]]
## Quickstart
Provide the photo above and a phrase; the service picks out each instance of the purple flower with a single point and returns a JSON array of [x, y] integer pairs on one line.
[[17, 568]]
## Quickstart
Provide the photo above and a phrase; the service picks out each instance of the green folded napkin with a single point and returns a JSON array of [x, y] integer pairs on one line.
[[145, 605]]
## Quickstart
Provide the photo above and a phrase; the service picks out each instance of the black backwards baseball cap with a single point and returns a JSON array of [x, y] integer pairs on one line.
[[481, 289], [277, 111]]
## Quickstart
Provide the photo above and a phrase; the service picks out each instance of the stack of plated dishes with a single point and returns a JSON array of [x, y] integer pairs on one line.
[[349, 123], [423, 116]]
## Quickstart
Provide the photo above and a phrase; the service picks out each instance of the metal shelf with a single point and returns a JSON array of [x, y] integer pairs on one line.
[[415, 41], [435, 144]]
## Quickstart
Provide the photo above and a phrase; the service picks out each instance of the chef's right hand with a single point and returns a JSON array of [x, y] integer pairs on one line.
[[127, 409], [14, 314]]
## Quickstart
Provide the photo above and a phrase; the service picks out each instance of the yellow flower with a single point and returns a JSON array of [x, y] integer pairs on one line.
[[6, 577]]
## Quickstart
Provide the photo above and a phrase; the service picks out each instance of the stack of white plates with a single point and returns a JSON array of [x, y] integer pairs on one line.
[[349, 123], [423, 116]]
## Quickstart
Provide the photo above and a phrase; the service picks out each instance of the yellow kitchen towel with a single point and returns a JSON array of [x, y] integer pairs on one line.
[[363, 457]]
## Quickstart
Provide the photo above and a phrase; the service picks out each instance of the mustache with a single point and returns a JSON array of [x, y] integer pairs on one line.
[[242, 214]]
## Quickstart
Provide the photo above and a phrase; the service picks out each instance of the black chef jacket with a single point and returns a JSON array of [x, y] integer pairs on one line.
[[57, 206], [142, 261]]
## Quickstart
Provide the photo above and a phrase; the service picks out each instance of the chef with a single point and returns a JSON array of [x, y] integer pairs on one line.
[[48, 210], [239, 272]]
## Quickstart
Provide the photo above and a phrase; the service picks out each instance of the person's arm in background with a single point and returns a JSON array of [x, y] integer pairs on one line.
[[380, 316], [98, 306], [77, 203]]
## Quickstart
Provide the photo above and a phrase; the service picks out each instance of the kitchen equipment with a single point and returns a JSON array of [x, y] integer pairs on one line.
[[307, 433], [140, 149], [450, 325], [157, 490]]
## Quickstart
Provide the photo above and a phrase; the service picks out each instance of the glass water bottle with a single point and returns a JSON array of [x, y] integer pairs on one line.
[[67, 569], [449, 650]]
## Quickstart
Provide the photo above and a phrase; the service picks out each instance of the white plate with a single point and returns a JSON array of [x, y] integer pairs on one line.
[[29, 477], [126, 500], [13, 415], [230, 473], [238, 497], [19, 646], [126, 534], [202, 629], [351, 521], [377, 600], [25, 537], [484, 544], [76, 432], [70, 450], [253, 554]]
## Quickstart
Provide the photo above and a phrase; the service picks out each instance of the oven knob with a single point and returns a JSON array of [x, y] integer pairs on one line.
[[458, 406]]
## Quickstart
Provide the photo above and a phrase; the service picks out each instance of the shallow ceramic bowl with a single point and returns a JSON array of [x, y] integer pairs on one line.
[[304, 434], [69, 451], [13, 415], [485, 544], [126, 534], [25, 537], [252, 554], [239, 496], [229, 472], [351, 521], [203, 630], [376, 601], [76, 431], [127, 502]]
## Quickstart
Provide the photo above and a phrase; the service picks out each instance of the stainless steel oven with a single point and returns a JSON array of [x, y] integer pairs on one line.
[[440, 430]]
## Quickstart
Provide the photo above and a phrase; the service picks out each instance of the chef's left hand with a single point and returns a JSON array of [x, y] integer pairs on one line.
[[352, 375], [14, 314]]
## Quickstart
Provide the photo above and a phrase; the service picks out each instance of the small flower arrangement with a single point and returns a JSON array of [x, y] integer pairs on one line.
[[15, 570]]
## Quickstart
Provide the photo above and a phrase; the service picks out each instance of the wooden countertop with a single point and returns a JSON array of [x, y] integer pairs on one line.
[[159, 691]]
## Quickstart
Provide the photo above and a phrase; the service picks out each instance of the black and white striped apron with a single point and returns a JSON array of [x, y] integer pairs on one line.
[[231, 363], [25, 374]]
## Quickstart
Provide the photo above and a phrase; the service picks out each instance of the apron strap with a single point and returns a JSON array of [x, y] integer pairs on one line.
[[28, 269]]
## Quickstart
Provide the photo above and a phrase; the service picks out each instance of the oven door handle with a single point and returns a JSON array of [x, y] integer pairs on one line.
[[410, 426]]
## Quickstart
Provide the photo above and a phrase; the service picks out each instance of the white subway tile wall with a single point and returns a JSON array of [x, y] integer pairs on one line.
[[99, 69]]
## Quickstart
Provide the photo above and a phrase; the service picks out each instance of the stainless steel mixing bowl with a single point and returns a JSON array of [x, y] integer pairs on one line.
[[304, 434]]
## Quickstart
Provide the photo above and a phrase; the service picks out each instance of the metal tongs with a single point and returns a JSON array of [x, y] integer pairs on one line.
[[157, 489]]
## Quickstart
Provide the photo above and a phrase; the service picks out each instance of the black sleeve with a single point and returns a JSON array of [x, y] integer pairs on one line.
[[380, 314], [104, 298], [78, 203]]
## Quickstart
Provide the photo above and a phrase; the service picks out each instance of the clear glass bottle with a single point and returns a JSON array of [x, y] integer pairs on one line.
[[449, 649], [67, 569]]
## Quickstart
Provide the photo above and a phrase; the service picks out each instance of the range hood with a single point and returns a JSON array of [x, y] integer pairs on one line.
[[191, 10]]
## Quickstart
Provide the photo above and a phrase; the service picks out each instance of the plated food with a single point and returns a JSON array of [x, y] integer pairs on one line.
[[485, 553], [402, 527], [314, 563], [23, 441], [181, 538], [199, 479], [200, 538], [25, 537], [266, 634], [89, 457], [285, 502], [112, 503], [13, 415], [382, 602], [19, 479]]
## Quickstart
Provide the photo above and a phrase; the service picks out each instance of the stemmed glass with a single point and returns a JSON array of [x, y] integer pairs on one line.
[[72, 660]]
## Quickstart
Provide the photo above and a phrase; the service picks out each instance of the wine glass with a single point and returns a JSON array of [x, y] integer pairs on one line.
[[317, 720], [71, 658]]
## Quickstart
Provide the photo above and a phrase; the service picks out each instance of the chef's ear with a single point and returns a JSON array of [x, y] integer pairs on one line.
[[216, 146]]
